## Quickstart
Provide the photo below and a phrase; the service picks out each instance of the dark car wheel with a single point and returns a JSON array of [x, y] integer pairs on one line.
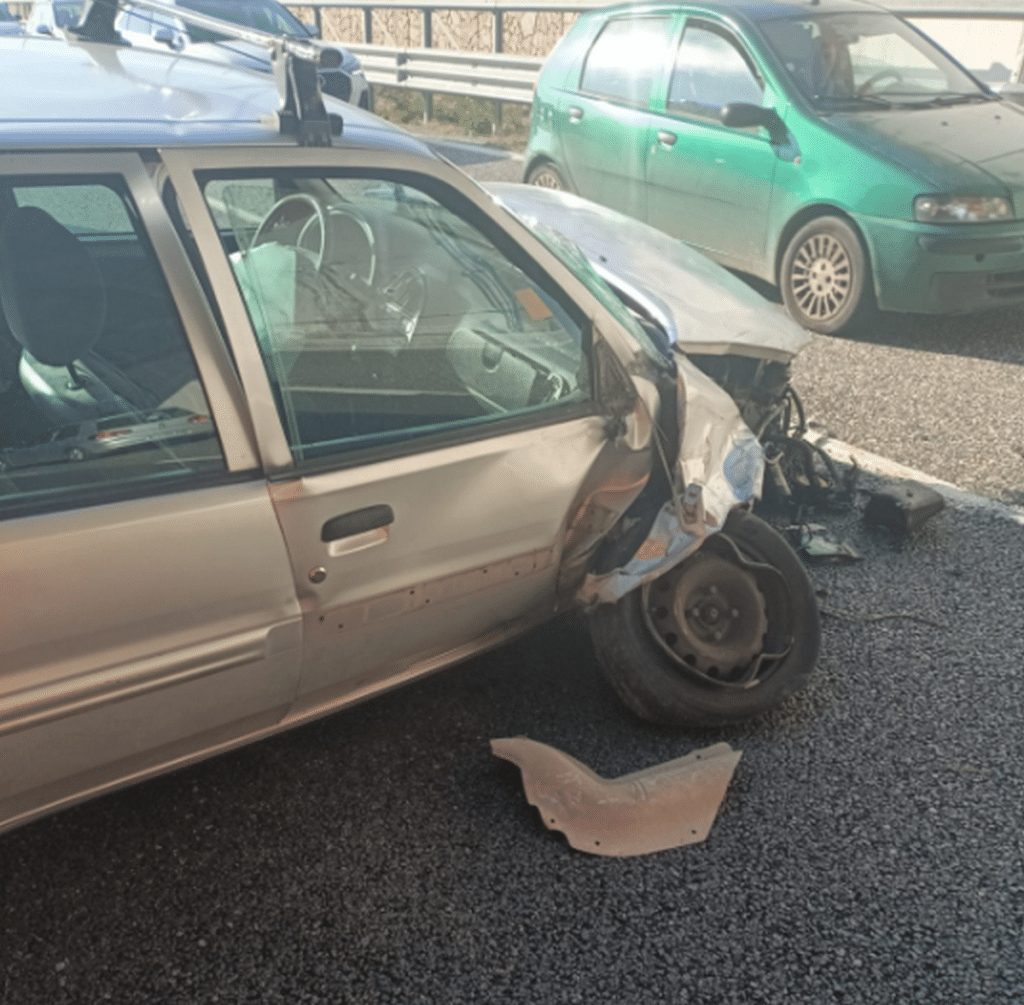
[[726, 635], [824, 277], [546, 175]]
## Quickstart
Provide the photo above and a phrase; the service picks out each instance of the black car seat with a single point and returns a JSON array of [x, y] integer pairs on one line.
[[55, 303]]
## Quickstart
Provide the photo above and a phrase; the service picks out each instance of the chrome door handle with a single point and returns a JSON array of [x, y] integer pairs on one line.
[[575, 114], [666, 139]]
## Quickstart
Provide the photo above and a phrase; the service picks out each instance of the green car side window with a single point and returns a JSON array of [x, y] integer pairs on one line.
[[626, 58], [711, 71]]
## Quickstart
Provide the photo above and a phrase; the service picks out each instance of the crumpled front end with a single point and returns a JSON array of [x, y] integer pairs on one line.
[[719, 466]]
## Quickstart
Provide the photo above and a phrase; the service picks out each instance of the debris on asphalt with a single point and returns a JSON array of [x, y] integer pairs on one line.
[[867, 619], [903, 507], [815, 543], [664, 806]]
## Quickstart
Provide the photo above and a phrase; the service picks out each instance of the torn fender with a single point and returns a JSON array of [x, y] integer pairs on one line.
[[720, 466], [665, 806]]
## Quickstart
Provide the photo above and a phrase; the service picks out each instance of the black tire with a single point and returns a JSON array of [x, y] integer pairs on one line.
[[675, 672], [824, 278], [546, 175]]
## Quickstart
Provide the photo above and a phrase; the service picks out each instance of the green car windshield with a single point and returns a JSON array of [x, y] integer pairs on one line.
[[855, 60]]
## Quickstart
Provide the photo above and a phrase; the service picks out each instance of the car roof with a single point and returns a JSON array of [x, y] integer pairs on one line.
[[87, 95], [757, 10]]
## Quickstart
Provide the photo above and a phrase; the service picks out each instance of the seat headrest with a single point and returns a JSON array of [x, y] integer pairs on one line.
[[50, 287]]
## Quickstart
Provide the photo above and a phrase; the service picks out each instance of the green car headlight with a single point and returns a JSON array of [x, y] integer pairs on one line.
[[962, 208]]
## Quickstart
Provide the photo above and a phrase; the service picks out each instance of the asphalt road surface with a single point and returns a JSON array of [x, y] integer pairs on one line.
[[869, 849]]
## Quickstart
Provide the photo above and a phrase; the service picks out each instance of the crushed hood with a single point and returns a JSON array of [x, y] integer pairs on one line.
[[703, 308]]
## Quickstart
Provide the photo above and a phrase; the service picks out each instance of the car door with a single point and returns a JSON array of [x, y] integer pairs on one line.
[[147, 608], [431, 381], [709, 184], [605, 124]]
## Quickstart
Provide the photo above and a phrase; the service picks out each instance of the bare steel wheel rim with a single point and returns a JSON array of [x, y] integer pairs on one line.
[[821, 277], [710, 618]]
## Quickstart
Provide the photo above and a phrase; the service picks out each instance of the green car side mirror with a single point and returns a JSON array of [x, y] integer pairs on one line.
[[741, 115]]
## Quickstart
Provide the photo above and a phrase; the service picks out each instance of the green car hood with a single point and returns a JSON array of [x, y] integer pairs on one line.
[[970, 149]]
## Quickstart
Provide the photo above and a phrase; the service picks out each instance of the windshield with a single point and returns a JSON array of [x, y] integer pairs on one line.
[[264, 16], [866, 60]]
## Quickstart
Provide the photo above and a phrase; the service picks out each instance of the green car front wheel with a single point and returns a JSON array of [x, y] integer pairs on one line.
[[546, 175], [824, 278]]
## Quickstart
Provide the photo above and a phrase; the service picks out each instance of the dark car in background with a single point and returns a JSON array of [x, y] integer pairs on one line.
[[9, 24], [829, 148], [144, 28]]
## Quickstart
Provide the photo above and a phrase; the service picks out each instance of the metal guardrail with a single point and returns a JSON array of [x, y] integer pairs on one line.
[[491, 76]]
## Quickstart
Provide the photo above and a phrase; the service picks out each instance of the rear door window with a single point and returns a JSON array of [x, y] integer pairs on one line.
[[100, 396], [627, 59]]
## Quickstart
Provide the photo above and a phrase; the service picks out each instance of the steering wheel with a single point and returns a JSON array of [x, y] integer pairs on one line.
[[340, 244], [298, 221], [869, 84]]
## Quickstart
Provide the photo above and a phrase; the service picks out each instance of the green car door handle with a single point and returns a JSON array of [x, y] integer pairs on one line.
[[575, 113], [666, 139]]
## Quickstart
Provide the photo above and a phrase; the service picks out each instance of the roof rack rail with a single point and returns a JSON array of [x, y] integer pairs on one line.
[[293, 63]]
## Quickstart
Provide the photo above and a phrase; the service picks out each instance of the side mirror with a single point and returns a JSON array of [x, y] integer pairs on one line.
[[740, 115]]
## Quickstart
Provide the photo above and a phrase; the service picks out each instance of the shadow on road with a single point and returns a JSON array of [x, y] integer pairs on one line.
[[996, 335]]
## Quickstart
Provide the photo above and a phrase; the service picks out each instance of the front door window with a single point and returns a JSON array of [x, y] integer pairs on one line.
[[385, 313], [711, 71]]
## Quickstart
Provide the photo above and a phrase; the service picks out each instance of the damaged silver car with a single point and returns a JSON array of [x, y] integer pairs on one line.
[[293, 412]]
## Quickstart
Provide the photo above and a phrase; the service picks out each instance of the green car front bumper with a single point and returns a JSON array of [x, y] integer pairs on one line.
[[958, 269]]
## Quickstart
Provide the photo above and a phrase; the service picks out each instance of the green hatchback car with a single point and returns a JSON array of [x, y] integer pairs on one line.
[[827, 147]]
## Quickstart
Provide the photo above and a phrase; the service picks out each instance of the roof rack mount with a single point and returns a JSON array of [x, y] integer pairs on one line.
[[294, 63]]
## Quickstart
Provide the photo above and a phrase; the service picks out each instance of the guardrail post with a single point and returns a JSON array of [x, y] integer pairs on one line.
[[368, 25], [499, 45], [428, 43]]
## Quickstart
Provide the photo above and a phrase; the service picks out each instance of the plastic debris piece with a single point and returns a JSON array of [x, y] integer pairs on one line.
[[665, 806]]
